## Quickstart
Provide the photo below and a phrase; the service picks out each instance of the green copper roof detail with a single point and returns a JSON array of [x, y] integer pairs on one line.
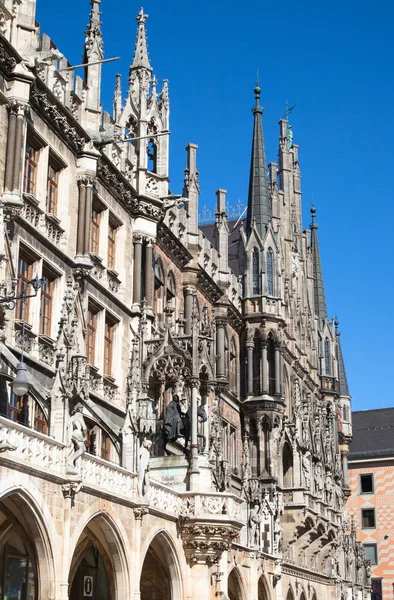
[[318, 285], [259, 200]]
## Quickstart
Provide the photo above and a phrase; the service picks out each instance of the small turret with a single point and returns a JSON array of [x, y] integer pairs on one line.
[[318, 285]]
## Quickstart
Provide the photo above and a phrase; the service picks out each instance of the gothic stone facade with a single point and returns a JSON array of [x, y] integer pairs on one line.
[[139, 307]]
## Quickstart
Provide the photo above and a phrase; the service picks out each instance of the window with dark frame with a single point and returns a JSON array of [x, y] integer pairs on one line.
[[40, 421], [30, 178], [95, 231], [368, 518], [270, 273], [105, 452], [47, 289], [371, 553], [52, 189], [327, 360], [366, 483], [17, 408], [108, 346], [112, 229], [91, 334], [256, 272], [25, 271], [230, 443]]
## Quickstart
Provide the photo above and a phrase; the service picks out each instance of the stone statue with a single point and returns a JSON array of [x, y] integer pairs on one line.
[[319, 484], [329, 488], [255, 525], [306, 471], [173, 425], [77, 434], [143, 467], [277, 536]]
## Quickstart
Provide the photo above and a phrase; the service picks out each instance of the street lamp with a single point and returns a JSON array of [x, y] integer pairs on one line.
[[20, 385]]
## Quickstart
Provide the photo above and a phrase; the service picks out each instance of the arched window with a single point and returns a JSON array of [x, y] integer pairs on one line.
[[327, 361], [17, 567], [91, 577], [287, 463], [99, 443], [271, 365], [256, 366], [171, 291], [256, 272], [270, 273], [152, 156], [159, 290]]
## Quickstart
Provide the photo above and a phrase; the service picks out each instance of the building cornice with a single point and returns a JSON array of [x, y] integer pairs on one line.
[[168, 242], [9, 57]]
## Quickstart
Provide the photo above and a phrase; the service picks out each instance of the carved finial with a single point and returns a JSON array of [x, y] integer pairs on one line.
[[93, 34], [313, 213], [257, 92], [141, 59]]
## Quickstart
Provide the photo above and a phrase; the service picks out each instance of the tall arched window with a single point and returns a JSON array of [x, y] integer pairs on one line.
[[233, 368], [256, 272], [256, 366], [271, 365], [327, 361], [287, 464], [171, 291], [159, 291], [152, 156], [270, 273]]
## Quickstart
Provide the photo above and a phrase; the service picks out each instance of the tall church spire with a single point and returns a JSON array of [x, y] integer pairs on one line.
[[259, 201], [343, 384], [141, 58], [318, 285]]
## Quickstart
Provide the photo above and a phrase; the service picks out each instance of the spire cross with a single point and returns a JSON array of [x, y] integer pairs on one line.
[[288, 110], [141, 17]]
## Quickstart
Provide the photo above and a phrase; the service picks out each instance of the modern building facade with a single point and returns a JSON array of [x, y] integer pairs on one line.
[[187, 421], [371, 504]]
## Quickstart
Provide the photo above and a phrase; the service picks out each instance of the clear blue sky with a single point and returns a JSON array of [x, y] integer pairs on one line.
[[334, 60]]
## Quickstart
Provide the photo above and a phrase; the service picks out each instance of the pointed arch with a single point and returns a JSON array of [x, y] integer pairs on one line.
[[263, 589], [287, 465], [22, 516], [269, 258], [327, 357], [159, 284], [290, 594], [255, 272], [161, 554], [235, 587], [102, 535]]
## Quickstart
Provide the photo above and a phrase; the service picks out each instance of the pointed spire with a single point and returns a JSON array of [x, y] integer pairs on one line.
[[141, 58], [93, 34], [117, 98], [318, 285], [259, 201], [343, 384]]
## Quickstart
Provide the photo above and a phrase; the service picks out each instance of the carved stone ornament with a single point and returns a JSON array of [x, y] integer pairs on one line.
[[205, 542], [71, 488], [7, 61], [140, 512]]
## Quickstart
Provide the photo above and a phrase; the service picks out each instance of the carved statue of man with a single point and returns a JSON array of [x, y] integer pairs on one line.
[[143, 467], [254, 524], [329, 488], [77, 435], [277, 536], [173, 424], [306, 471]]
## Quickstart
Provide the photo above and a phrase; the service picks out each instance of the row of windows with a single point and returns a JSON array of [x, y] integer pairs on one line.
[[24, 312], [54, 169]]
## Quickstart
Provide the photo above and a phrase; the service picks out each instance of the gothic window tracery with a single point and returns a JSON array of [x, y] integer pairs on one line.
[[271, 365]]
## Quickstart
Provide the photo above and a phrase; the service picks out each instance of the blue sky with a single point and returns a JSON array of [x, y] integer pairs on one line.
[[335, 62]]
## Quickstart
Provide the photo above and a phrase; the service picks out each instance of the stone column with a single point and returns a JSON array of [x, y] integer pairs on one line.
[[137, 238], [149, 271], [69, 489], [88, 216], [10, 154], [249, 382], [205, 404], [194, 383], [264, 361], [136, 566], [277, 370], [18, 149], [220, 350], [81, 216], [189, 294]]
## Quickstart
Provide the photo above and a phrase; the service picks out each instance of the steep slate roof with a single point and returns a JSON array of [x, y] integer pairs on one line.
[[233, 242], [373, 433], [343, 384]]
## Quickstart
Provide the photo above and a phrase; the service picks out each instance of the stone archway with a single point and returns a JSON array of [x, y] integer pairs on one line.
[[263, 593], [99, 566], [234, 586], [26, 559], [160, 579]]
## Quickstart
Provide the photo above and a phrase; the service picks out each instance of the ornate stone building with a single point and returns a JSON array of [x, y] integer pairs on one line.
[[184, 433]]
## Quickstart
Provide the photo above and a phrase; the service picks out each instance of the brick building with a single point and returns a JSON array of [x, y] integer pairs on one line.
[[371, 504]]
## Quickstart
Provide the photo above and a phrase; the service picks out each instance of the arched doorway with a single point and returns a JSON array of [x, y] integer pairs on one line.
[[99, 567], [160, 574], [234, 586], [91, 577], [26, 561], [155, 582], [262, 590]]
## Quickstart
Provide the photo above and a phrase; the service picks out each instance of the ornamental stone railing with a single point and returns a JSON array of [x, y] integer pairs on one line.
[[104, 476]]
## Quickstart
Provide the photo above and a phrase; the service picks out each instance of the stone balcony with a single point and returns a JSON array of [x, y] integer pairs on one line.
[[216, 518]]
